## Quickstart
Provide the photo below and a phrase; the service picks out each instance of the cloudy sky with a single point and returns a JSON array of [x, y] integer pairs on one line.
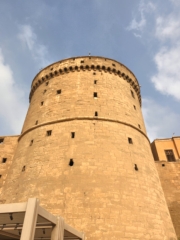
[[142, 34]]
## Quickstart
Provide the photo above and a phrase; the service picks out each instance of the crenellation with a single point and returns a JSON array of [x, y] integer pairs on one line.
[[82, 67]]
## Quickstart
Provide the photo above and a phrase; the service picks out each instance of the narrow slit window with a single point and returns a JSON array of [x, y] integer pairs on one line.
[[49, 132], [95, 95], [73, 135], [95, 81], [1, 140], [4, 160], [24, 168], [130, 141], [136, 167], [139, 126], [59, 91], [71, 162], [96, 114], [132, 94], [44, 91], [36, 122], [42, 103], [134, 107], [0, 176], [31, 143], [47, 83]]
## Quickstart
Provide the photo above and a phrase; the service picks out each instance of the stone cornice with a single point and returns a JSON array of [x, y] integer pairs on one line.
[[84, 67], [83, 118]]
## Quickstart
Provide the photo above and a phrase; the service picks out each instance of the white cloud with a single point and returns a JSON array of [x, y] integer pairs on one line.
[[167, 79], [39, 51], [161, 122], [137, 26], [12, 106], [167, 58], [168, 28]]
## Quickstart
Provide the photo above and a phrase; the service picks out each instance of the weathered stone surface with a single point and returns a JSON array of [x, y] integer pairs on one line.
[[112, 191]]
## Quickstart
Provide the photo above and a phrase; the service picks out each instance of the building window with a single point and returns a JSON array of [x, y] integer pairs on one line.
[[31, 142], [42, 103], [82, 61], [73, 135], [1, 140], [95, 94], [132, 94], [170, 155], [47, 83], [113, 65], [23, 169], [44, 91], [0, 176], [49, 132], [59, 91], [4, 160], [95, 81], [71, 162], [96, 114], [134, 107], [130, 141]]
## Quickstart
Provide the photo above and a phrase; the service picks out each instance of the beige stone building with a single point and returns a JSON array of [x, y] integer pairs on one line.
[[166, 154], [84, 152]]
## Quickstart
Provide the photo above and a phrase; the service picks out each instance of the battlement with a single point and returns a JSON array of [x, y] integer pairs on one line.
[[86, 63]]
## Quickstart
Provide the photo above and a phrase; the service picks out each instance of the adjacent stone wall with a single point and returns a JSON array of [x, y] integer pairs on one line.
[[169, 173], [87, 156], [8, 145]]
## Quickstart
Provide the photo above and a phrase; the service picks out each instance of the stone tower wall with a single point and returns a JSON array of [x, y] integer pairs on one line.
[[112, 191], [7, 150], [169, 173]]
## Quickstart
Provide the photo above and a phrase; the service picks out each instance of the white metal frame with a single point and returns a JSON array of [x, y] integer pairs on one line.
[[32, 210]]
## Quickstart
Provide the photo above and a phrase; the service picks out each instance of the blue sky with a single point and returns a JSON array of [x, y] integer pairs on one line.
[[144, 35]]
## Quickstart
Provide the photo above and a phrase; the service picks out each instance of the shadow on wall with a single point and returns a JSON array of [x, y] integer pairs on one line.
[[174, 209]]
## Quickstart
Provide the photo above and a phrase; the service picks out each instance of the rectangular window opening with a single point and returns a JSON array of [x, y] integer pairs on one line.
[[95, 81], [73, 135], [49, 132], [1, 140], [96, 114], [47, 83], [42, 103], [139, 126], [170, 155], [31, 143], [4, 160], [134, 107], [36, 122], [0, 176], [82, 61], [59, 91], [132, 94], [130, 141], [95, 94]]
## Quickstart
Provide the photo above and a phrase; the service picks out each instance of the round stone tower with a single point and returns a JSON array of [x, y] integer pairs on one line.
[[84, 152]]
